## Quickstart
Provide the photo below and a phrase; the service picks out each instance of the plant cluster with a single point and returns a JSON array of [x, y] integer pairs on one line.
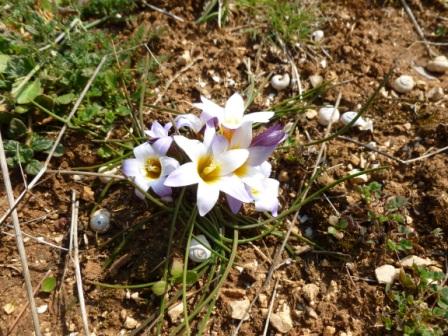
[[223, 156]]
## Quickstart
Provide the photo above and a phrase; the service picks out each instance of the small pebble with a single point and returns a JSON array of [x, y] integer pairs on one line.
[[130, 323], [9, 308], [436, 94], [282, 320], [239, 308], [283, 176], [386, 274]]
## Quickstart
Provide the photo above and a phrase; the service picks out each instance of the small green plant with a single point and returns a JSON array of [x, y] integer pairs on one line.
[[421, 307], [48, 285], [337, 230], [371, 191]]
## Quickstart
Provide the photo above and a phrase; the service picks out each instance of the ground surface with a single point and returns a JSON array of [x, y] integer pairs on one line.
[[362, 41]]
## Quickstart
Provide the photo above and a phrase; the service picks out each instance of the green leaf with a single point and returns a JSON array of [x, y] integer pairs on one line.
[[30, 92], [159, 287], [24, 155], [48, 285], [33, 167], [406, 280], [177, 268], [4, 59], [105, 152], [192, 277], [40, 144], [65, 99], [11, 146], [58, 152], [17, 129]]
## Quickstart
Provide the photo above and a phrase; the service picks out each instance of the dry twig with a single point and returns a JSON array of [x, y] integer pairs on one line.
[[19, 239], [271, 305]]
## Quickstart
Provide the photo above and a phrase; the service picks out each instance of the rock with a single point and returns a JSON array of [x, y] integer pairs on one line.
[[282, 320], [310, 292], [283, 176], [312, 313], [360, 179], [411, 260], [316, 80], [329, 331], [130, 323], [9, 308], [263, 299], [435, 94], [438, 64], [333, 220], [176, 311], [238, 309], [386, 274], [42, 309], [310, 113]]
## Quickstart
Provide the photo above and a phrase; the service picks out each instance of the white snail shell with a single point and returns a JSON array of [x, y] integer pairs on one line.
[[361, 123], [438, 64], [363, 178], [280, 82], [108, 171], [317, 35], [100, 221], [315, 80], [328, 114], [403, 84], [200, 249]]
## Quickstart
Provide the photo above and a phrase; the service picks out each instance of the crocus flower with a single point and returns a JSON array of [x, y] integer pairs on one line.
[[149, 169], [262, 145], [160, 139], [231, 116], [211, 168]]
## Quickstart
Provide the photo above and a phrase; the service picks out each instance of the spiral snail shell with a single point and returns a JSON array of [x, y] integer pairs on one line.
[[438, 64], [200, 249], [361, 123], [328, 114], [403, 84], [280, 82]]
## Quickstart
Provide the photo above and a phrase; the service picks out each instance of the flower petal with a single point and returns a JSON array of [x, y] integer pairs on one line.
[[193, 148], [233, 186], [231, 160], [163, 144], [259, 154], [158, 130], [242, 136], [233, 112], [233, 203], [259, 117], [190, 121], [143, 151], [207, 197], [131, 167], [186, 174], [142, 182], [209, 134], [265, 193], [266, 168], [209, 109], [219, 145], [160, 189], [168, 165]]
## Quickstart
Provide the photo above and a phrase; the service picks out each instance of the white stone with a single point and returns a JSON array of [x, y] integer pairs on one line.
[[316, 80], [176, 311], [239, 308], [9, 308], [317, 35], [282, 320], [386, 274], [310, 292], [310, 113], [130, 323], [363, 178], [411, 260], [329, 331], [42, 309], [435, 94]]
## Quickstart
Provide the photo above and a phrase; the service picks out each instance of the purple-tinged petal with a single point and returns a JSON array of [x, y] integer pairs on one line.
[[190, 121], [258, 117], [233, 186], [209, 134], [208, 194], [233, 203], [167, 127], [144, 151], [270, 137], [219, 145], [257, 155], [160, 189], [131, 167], [163, 144], [186, 174], [139, 194]]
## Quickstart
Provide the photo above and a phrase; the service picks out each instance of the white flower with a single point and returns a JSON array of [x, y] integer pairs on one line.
[[149, 169], [159, 134], [211, 168], [232, 115]]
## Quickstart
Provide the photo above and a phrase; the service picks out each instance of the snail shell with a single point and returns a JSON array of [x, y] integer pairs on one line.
[[438, 64], [317, 35], [280, 82], [100, 221], [316, 80], [200, 249], [328, 114], [361, 123], [403, 84]]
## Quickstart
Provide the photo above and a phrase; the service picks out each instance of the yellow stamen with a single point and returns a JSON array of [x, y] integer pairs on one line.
[[208, 169], [242, 170], [153, 168]]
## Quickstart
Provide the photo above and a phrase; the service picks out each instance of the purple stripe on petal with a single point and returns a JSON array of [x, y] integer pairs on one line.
[[271, 137], [234, 204]]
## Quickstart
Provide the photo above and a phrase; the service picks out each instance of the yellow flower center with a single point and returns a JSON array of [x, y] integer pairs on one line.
[[153, 168], [242, 170], [208, 169], [255, 192]]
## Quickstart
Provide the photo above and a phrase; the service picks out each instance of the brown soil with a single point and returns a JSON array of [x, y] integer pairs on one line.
[[363, 40]]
